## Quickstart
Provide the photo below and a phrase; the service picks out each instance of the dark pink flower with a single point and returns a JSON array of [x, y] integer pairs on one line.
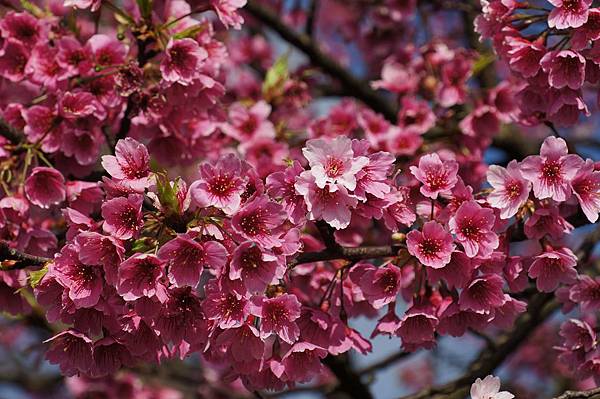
[[22, 27], [417, 328], [187, 258], [564, 68], [552, 171], [511, 190], [578, 334], [109, 356], [553, 267], [400, 211], [505, 315], [83, 282], [457, 273], [130, 164], [43, 68], [586, 187], [228, 308], [301, 363], [433, 245], [261, 220], [72, 351], [525, 56], [123, 216], [590, 31], [472, 226], [331, 203], [278, 316], [436, 176], [482, 122], [372, 178], [13, 59], [183, 59], [280, 185], [483, 294], [227, 12], [45, 187], [220, 185], [246, 123], [73, 106], [107, 50], [141, 275], [333, 162], [379, 285], [98, 249], [243, 344], [586, 293], [569, 13], [256, 267], [546, 220], [73, 57]]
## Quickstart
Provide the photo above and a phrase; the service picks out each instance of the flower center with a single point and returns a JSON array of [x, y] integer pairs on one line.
[[334, 167]]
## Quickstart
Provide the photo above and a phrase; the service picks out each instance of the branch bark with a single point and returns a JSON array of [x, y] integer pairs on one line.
[[591, 394], [11, 259], [347, 253], [354, 86]]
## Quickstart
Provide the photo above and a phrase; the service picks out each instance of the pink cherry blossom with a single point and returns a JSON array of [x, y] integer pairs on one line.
[[569, 13], [553, 267], [511, 190], [437, 176], [278, 316], [256, 267], [565, 68], [130, 164], [140, 276], [45, 187], [183, 58], [261, 220], [472, 226], [489, 388], [433, 246], [586, 187], [123, 216], [552, 170]]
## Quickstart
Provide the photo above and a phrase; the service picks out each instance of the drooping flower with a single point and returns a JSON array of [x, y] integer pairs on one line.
[[433, 245], [140, 276], [565, 68], [228, 308], [569, 13], [578, 334], [333, 162], [45, 186], [331, 203], [123, 216], [130, 164], [489, 388], [187, 258], [256, 267], [586, 187], [436, 176], [261, 220], [472, 226], [380, 285], [183, 59], [301, 363], [483, 294], [511, 190], [278, 316], [220, 185], [553, 267], [72, 351], [552, 170], [586, 292], [417, 328], [83, 282]]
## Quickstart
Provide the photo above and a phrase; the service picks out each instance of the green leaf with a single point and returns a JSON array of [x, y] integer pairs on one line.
[[483, 62], [145, 7], [143, 245], [37, 275], [167, 193], [189, 32], [276, 77]]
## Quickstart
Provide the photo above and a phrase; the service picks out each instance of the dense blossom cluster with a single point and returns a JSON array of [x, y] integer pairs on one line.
[[176, 196], [551, 52]]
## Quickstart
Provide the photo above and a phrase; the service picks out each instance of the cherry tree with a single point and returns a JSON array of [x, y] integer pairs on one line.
[[240, 198]]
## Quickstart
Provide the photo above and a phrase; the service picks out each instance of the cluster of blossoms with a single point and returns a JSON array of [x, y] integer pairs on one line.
[[552, 54], [245, 259], [128, 282]]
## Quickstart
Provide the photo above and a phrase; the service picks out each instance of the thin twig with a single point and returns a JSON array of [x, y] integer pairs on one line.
[[591, 394]]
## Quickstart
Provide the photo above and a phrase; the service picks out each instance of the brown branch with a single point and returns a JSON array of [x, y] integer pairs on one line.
[[349, 381], [591, 394], [355, 87], [347, 253], [10, 133], [12, 259]]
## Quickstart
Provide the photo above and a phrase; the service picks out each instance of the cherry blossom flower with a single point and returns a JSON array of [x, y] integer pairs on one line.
[[123, 216], [83, 282], [333, 162], [472, 226], [433, 246], [249, 123], [255, 266], [511, 190], [569, 13], [489, 388], [565, 68], [380, 285], [586, 187], [553, 267], [436, 176], [45, 187], [260, 220], [552, 170], [130, 164], [72, 351], [278, 316], [183, 58], [140, 276], [483, 294]]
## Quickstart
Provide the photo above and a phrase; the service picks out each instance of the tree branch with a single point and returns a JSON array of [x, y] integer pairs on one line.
[[384, 363], [349, 381], [354, 86], [347, 253], [10, 133], [591, 394], [11, 259]]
